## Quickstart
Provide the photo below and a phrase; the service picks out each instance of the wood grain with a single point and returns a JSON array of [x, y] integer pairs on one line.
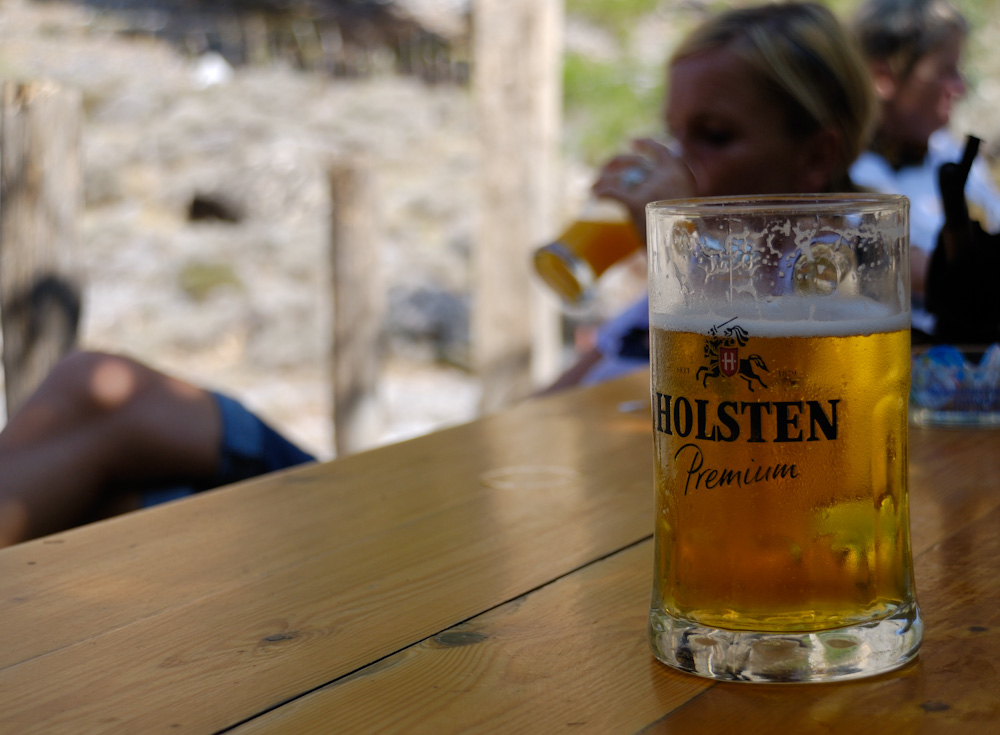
[[491, 577], [41, 201], [359, 305], [516, 83], [573, 656], [259, 592], [135, 566]]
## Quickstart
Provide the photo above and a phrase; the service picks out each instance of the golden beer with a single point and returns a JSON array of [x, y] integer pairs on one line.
[[780, 376], [781, 486], [573, 263]]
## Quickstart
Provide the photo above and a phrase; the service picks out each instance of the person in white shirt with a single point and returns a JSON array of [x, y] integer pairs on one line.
[[914, 50]]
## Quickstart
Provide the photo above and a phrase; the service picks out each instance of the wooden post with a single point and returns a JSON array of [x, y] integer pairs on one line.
[[40, 204], [358, 308], [517, 82]]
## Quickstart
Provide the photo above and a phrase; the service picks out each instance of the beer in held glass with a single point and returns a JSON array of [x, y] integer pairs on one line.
[[601, 237]]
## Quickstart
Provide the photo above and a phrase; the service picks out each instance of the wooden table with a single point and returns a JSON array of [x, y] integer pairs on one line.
[[493, 577]]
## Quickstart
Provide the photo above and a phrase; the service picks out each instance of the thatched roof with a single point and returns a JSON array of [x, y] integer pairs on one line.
[[347, 12], [340, 36]]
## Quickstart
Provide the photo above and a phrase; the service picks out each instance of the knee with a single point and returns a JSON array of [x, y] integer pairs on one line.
[[95, 381]]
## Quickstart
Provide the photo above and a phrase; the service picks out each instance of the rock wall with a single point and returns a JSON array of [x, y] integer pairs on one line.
[[244, 305]]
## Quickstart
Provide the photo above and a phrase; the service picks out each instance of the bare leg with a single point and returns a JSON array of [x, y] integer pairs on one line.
[[98, 420]]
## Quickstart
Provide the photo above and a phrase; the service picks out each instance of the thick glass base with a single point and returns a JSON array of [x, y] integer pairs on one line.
[[569, 276], [828, 655]]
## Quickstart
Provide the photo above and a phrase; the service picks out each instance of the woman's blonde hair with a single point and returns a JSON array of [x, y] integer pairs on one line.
[[806, 60]]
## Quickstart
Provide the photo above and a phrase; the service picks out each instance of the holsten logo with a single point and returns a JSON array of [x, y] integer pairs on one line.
[[723, 355], [756, 421]]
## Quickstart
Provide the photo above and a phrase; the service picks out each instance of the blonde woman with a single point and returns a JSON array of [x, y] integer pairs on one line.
[[760, 100]]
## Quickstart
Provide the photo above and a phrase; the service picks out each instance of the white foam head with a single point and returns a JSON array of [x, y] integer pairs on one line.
[[793, 316]]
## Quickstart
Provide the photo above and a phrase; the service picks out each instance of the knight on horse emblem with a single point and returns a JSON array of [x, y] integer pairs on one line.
[[723, 355]]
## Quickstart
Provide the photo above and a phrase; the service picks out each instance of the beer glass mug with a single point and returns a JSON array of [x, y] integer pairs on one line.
[[780, 359]]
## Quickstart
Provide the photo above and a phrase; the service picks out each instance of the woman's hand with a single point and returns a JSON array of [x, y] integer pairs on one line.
[[652, 173]]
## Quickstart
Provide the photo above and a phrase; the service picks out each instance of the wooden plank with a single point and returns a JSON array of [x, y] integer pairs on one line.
[[40, 204], [569, 657], [517, 82], [231, 536], [442, 528], [256, 645], [953, 479], [209, 611], [574, 656], [358, 308], [477, 690]]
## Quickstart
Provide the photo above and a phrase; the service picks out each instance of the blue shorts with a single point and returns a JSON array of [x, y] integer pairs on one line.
[[249, 448]]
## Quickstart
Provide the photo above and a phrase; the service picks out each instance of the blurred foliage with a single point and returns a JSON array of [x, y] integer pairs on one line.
[[608, 101], [617, 15]]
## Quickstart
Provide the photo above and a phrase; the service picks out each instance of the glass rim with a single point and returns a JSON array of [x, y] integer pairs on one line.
[[842, 203]]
